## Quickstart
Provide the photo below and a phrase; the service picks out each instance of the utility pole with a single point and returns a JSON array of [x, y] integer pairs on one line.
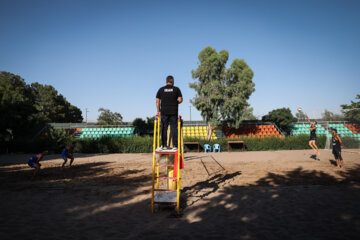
[[190, 114], [86, 111]]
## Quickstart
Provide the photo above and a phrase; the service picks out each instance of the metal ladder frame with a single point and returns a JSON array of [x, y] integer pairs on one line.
[[156, 166]]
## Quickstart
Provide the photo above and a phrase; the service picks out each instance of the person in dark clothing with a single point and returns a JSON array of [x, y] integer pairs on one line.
[[167, 100], [34, 162], [312, 140], [336, 145], [68, 152]]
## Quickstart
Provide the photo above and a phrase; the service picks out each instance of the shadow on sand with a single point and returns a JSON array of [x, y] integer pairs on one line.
[[15, 159], [298, 204]]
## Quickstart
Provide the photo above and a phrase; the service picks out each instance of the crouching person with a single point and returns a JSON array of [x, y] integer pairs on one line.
[[34, 162], [68, 153]]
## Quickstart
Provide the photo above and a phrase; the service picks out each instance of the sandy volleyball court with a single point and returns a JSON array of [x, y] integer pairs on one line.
[[251, 195]]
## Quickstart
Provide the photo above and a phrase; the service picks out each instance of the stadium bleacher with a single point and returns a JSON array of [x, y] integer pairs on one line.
[[298, 129], [107, 132], [198, 132], [354, 128], [344, 130], [251, 130]]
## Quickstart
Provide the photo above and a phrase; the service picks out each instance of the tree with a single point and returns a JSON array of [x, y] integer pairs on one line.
[[144, 126], [352, 111], [329, 116], [107, 117], [53, 107], [222, 94], [282, 117], [139, 124], [300, 115], [23, 107], [150, 123], [16, 105]]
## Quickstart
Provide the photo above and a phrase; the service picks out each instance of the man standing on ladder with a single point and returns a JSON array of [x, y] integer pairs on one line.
[[167, 100]]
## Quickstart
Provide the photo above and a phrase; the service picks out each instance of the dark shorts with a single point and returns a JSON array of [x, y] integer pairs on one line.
[[312, 138], [65, 154], [32, 163], [337, 154]]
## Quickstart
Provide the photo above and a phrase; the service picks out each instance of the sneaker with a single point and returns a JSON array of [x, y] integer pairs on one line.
[[159, 149], [175, 148], [164, 148]]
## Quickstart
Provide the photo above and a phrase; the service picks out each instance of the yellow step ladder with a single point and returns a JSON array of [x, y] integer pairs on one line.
[[169, 192]]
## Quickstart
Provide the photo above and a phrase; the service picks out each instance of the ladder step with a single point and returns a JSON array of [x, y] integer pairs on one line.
[[165, 197], [167, 177], [165, 165], [165, 190], [169, 153], [165, 203]]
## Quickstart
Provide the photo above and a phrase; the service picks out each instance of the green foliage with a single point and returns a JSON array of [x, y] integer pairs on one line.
[[282, 117], [23, 106], [73, 114], [262, 144], [107, 117], [350, 143], [150, 123], [352, 111], [116, 145], [300, 116], [142, 125], [53, 107], [238, 89], [16, 105], [222, 94], [329, 116], [54, 140], [139, 124]]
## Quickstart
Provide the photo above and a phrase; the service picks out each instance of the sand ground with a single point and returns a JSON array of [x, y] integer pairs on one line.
[[251, 195]]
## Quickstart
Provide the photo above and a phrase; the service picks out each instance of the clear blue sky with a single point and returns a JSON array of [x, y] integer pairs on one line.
[[116, 54]]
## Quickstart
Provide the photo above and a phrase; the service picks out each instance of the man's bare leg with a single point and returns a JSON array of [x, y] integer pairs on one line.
[[36, 170], [71, 161], [341, 163], [63, 165]]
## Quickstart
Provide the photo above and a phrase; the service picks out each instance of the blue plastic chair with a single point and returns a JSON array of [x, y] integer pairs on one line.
[[207, 148], [216, 147]]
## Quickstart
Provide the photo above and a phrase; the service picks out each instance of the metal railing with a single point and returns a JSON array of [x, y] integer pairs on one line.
[[129, 124], [86, 125], [243, 123], [322, 122]]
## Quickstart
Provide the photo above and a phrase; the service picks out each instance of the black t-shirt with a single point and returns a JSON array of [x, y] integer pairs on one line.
[[168, 96], [336, 144]]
